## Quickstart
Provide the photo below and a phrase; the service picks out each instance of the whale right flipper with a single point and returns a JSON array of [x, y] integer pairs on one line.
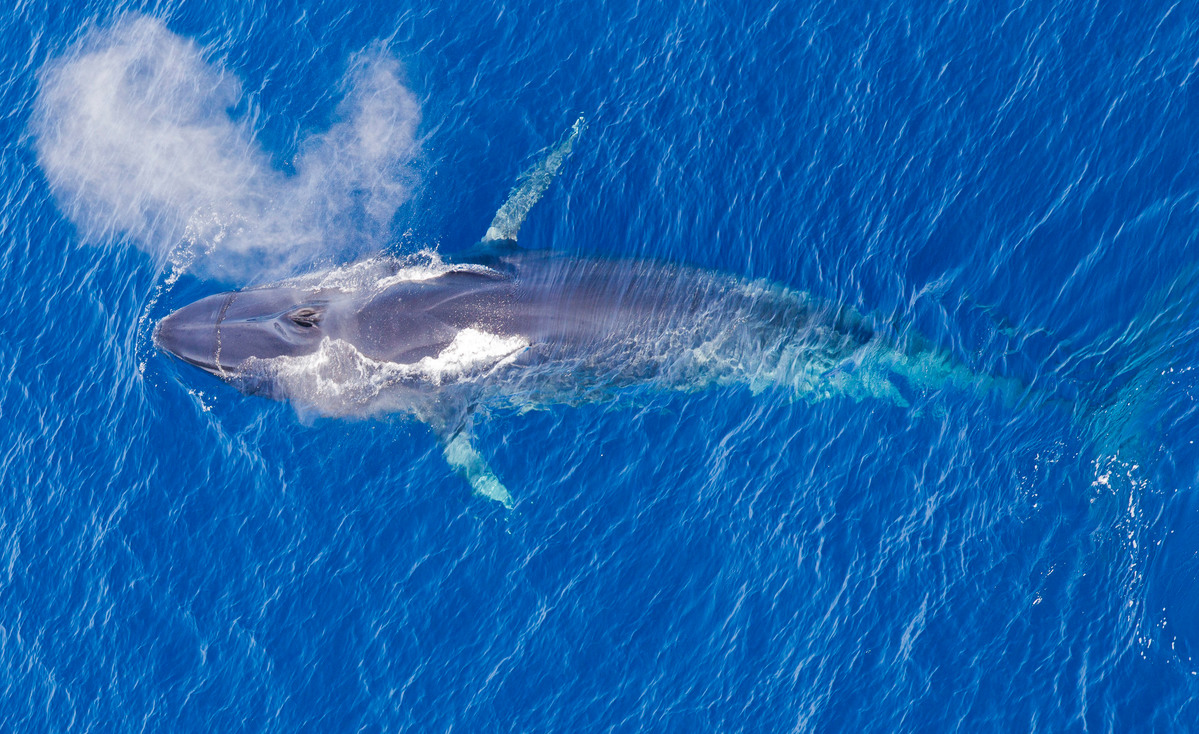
[[530, 186], [452, 422]]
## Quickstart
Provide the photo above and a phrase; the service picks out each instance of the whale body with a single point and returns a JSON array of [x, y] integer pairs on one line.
[[504, 327]]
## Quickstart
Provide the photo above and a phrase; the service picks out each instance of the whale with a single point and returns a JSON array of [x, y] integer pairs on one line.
[[446, 340]]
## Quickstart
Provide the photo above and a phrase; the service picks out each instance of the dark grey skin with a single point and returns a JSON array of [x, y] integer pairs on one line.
[[585, 330], [570, 310], [508, 327]]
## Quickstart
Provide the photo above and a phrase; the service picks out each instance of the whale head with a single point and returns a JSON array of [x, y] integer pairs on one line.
[[220, 332]]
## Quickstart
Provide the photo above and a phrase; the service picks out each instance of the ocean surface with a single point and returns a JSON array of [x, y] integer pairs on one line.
[[1016, 183]]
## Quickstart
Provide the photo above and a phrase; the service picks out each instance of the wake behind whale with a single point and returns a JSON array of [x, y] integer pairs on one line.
[[504, 327]]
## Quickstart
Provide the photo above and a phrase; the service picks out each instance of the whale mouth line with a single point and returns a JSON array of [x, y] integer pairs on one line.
[[197, 363], [216, 354]]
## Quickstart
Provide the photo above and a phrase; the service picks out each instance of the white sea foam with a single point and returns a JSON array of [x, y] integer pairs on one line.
[[338, 379], [133, 132], [470, 350], [376, 274]]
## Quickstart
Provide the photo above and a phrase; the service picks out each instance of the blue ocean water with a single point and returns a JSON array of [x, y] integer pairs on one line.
[[1012, 181]]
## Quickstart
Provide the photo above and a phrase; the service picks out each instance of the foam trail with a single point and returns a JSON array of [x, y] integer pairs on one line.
[[132, 130]]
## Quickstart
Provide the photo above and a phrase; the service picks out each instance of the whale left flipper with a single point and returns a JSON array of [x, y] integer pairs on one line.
[[529, 189]]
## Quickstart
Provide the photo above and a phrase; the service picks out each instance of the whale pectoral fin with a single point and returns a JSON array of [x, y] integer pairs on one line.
[[529, 188], [467, 461]]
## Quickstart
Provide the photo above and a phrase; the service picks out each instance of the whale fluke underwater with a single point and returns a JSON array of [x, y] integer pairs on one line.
[[501, 327]]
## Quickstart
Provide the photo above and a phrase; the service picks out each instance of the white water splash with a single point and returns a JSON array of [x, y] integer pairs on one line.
[[377, 274], [132, 130], [338, 380]]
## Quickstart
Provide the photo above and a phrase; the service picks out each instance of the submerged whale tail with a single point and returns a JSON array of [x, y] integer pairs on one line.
[[1153, 354]]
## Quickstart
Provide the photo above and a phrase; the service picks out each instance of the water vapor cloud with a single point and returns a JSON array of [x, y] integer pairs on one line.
[[132, 130]]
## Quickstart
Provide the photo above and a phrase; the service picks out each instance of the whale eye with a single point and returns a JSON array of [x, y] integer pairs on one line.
[[306, 317]]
